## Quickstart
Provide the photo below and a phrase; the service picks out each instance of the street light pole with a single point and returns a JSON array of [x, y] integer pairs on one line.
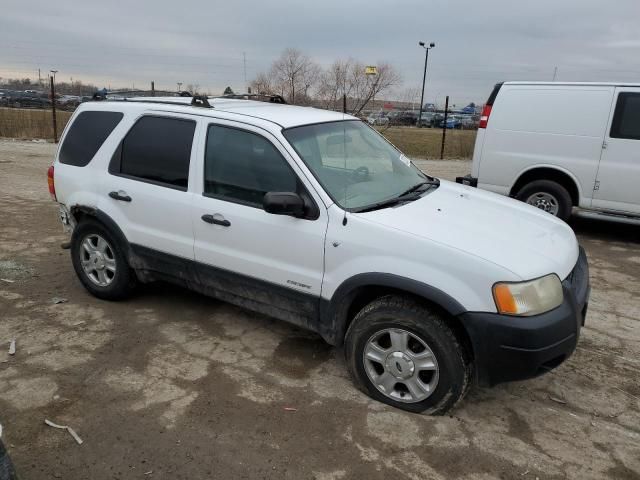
[[424, 78]]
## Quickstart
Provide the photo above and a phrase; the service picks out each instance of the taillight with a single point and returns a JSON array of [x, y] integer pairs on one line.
[[51, 183], [484, 118]]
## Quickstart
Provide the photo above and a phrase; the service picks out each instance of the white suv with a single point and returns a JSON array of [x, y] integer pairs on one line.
[[312, 217]]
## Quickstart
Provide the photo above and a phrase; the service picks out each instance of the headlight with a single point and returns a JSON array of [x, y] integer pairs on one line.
[[528, 298]]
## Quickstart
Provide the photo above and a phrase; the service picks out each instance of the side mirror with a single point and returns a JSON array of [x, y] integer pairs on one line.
[[283, 203]]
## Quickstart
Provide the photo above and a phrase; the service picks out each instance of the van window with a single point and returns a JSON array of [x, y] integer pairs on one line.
[[86, 135], [626, 118], [242, 166], [157, 150]]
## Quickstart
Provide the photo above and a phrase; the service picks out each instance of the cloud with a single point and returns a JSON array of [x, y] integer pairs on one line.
[[202, 42]]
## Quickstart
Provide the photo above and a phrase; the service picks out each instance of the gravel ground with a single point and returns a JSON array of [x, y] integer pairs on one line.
[[174, 385]]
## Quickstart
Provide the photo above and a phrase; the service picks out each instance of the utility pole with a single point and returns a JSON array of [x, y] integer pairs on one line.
[[244, 59], [52, 78], [153, 88], [39, 78], [555, 73], [179, 86], [444, 127]]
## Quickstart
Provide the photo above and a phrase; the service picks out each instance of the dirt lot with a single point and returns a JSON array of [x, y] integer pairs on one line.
[[174, 385]]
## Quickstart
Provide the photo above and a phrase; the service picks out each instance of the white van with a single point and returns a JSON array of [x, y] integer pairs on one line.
[[562, 145]]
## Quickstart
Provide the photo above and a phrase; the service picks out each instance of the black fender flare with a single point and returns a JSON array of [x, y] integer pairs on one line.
[[107, 221], [333, 313]]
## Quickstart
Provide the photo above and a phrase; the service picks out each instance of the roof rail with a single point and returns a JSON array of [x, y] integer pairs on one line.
[[259, 97], [198, 101]]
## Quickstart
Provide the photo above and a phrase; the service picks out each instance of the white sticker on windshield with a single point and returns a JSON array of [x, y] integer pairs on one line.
[[404, 159]]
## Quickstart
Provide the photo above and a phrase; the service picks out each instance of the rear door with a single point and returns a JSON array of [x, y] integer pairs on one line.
[[618, 180], [146, 189]]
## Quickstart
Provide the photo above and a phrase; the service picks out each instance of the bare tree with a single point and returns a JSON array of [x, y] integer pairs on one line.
[[264, 83], [410, 95], [296, 74], [366, 87], [333, 84]]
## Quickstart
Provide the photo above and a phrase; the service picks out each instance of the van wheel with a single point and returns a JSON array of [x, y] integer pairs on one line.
[[549, 196], [100, 262], [405, 355]]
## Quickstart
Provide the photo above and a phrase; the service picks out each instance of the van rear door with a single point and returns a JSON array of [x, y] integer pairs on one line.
[[618, 179]]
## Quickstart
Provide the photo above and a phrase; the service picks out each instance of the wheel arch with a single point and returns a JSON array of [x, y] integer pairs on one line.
[[354, 293], [553, 173], [83, 212]]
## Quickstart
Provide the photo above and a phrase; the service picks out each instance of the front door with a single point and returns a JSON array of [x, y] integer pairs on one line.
[[618, 182], [271, 263]]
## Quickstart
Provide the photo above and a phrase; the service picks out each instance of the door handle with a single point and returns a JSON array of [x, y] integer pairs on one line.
[[216, 221], [122, 196]]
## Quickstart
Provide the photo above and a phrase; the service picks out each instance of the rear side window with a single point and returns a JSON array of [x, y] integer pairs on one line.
[[626, 118], [86, 135], [242, 166], [156, 150]]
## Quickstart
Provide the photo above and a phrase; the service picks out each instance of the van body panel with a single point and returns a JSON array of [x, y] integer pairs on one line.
[[535, 126]]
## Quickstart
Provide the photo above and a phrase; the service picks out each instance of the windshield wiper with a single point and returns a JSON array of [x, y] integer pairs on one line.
[[408, 196], [418, 186], [389, 202]]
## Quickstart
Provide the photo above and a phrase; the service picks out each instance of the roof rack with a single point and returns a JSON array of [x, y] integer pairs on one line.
[[260, 97], [199, 101]]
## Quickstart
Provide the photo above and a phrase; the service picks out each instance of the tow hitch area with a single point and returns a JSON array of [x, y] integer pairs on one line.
[[467, 180]]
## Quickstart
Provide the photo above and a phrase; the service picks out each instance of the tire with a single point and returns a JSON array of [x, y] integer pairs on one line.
[[449, 381], [117, 280], [545, 195]]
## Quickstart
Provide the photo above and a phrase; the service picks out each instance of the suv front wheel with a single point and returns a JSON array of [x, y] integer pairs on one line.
[[404, 354], [100, 262]]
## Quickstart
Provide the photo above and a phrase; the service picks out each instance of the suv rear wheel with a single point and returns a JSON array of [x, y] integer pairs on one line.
[[549, 196], [100, 262], [404, 354]]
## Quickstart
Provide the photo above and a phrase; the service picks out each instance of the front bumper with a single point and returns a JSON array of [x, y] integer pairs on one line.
[[510, 348]]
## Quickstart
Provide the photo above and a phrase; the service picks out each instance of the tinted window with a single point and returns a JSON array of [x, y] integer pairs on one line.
[[242, 166], [86, 135], [157, 149], [626, 119]]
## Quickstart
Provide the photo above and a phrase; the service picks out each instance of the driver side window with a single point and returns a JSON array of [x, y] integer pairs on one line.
[[242, 166]]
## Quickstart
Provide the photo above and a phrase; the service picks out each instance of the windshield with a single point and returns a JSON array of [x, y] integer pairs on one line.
[[354, 163]]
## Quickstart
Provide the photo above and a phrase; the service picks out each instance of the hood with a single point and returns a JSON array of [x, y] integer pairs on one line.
[[516, 236]]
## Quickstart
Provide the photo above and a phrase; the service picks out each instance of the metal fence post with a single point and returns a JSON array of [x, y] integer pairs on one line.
[[444, 127], [53, 109]]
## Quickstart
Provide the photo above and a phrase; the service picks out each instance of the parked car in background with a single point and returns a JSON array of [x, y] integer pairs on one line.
[[403, 118], [28, 99], [68, 102], [452, 122], [469, 122], [557, 146], [431, 119], [379, 119]]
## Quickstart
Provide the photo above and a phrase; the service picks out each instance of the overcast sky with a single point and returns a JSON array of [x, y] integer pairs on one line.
[[478, 43]]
